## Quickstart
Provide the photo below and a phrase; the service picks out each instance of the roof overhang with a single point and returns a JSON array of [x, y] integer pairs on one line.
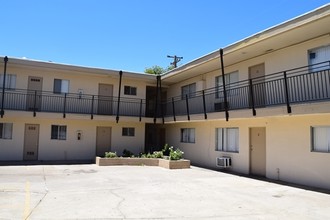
[[300, 29]]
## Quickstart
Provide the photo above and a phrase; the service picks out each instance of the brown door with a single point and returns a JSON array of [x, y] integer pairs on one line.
[[258, 151], [105, 99], [257, 74], [31, 142], [33, 101], [103, 140]]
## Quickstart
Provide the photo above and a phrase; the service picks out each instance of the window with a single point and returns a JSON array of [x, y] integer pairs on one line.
[[58, 132], [189, 90], [321, 139], [129, 90], [230, 78], [319, 55], [227, 139], [10, 81], [61, 86], [188, 135], [128, 132], [6, 130]]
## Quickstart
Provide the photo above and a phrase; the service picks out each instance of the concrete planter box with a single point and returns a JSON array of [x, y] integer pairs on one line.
[[169, 164]]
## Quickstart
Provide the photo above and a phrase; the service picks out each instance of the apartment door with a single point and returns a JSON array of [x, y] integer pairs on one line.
[[105, 99], [257, 74], [103, 140], [31, 142], [33, 99], [258, 151]]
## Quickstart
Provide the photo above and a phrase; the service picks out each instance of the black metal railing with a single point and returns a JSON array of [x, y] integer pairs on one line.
[[41, 101], [300, 85]]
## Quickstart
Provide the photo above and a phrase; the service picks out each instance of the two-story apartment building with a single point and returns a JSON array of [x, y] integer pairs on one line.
[[267, 107]]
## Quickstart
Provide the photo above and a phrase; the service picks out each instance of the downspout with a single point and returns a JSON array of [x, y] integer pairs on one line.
[[224, 84], [3, 87], [119, 89]]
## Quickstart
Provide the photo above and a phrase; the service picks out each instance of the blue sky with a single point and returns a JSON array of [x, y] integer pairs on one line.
[[134, 34]]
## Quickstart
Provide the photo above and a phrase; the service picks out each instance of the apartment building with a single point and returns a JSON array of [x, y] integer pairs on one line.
[[269, 112]]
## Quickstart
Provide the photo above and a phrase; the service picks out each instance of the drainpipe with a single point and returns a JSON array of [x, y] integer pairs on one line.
[[224, 84], [120, 77], [161, 102], [3, 87]]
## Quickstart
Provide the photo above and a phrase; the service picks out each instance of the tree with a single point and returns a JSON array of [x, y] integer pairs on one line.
[[157, 70]]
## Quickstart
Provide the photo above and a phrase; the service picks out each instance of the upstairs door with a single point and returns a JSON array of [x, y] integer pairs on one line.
[[257, 74], [33, 99], [103, 140], [31, 142], [105, 99]]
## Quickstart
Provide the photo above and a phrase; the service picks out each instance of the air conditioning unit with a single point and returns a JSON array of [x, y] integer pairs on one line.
[[223, 162]]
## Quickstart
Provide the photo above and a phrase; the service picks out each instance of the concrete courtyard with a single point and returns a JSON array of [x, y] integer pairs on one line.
[[140, 192]]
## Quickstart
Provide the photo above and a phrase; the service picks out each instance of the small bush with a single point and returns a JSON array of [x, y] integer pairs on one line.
[[176, 154], [166, 150], [158, 154], [110, 154]]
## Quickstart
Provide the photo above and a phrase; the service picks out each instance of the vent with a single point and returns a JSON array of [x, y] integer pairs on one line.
[[223, 162]]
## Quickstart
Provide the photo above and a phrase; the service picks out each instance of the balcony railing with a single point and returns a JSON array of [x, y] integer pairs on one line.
[[300, 85], [41, 101], [304, 84]]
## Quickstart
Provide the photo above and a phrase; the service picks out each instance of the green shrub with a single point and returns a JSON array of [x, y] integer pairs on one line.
[[176, 154], [110, 154], [158, 154], [166, 150]]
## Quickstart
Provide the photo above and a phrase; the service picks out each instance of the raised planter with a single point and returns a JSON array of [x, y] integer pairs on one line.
[[169, 164]]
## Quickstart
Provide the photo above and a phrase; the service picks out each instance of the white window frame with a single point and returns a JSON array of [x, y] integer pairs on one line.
[[189, 90], [128, 132], [320, 139], [230, 78], [10, 81], [6, 130], [65, 84], [319, 55], [188, 135], [130, 90], [227, 139], [59, 132]]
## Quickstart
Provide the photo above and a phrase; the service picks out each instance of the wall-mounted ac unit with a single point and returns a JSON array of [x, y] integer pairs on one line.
[[223, 162]]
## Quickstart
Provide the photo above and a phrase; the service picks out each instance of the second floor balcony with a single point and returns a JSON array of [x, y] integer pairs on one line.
[[299, 85]]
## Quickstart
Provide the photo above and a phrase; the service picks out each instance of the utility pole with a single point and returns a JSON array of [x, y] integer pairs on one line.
[[176, 59]]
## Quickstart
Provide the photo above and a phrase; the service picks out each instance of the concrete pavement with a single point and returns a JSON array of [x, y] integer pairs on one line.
[[141, 192]]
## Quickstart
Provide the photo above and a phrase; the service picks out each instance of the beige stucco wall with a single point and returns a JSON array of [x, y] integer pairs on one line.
[[276, 61], [289, 155], [87, 82], [71, 148], [288, 147]]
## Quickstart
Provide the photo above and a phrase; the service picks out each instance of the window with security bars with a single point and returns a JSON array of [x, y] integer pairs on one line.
[[58, 132], [227, 139]]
